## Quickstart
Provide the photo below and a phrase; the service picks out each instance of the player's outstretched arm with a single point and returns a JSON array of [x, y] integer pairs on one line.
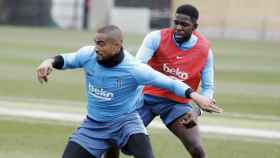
[[44, 69], [205, 103], [145, 75]]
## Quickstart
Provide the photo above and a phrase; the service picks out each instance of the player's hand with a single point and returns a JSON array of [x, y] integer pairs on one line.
[[43, 70], [205, 103]]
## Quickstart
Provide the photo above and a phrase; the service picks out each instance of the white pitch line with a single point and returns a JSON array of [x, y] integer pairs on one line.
[[40, 114], [75, 117], [261, 133], [248, 132]]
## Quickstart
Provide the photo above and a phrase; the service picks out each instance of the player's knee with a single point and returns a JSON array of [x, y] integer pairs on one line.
[[188, 120]]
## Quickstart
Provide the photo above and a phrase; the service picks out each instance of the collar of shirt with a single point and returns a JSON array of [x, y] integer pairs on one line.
[[112, 61]]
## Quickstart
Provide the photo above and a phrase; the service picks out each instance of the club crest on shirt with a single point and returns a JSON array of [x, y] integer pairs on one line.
[[119, 82], [179, 57]]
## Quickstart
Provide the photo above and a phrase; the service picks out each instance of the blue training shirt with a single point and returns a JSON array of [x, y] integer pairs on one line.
[[112, 92], [151, 44]]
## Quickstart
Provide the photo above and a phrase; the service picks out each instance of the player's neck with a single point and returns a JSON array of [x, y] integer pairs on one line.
[[112, 61], [181, 40]]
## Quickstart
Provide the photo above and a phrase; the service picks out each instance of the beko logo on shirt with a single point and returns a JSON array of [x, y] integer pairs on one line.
[[175, 71], [100, 93]]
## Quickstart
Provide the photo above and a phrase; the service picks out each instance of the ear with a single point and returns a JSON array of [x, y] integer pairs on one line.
[[118, 44], [195, 26]]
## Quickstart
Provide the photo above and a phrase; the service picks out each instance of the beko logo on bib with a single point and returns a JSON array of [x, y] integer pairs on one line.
[[100, 93], [176, 72]]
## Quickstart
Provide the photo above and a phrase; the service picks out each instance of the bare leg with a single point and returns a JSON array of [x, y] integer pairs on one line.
[[186, 129]]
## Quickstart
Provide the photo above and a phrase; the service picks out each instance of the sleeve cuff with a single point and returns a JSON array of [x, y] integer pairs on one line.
[[188, 93]]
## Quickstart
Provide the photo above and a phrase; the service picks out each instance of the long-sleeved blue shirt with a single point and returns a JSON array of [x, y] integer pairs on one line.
[[112, 92], [152, 42]]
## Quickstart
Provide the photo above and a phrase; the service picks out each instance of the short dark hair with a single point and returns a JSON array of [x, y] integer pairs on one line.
[[189, 10], [109, 28], [113, 32]]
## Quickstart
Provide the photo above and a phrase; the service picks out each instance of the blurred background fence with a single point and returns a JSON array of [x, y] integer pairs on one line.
[[25, 12], [237, 19]]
